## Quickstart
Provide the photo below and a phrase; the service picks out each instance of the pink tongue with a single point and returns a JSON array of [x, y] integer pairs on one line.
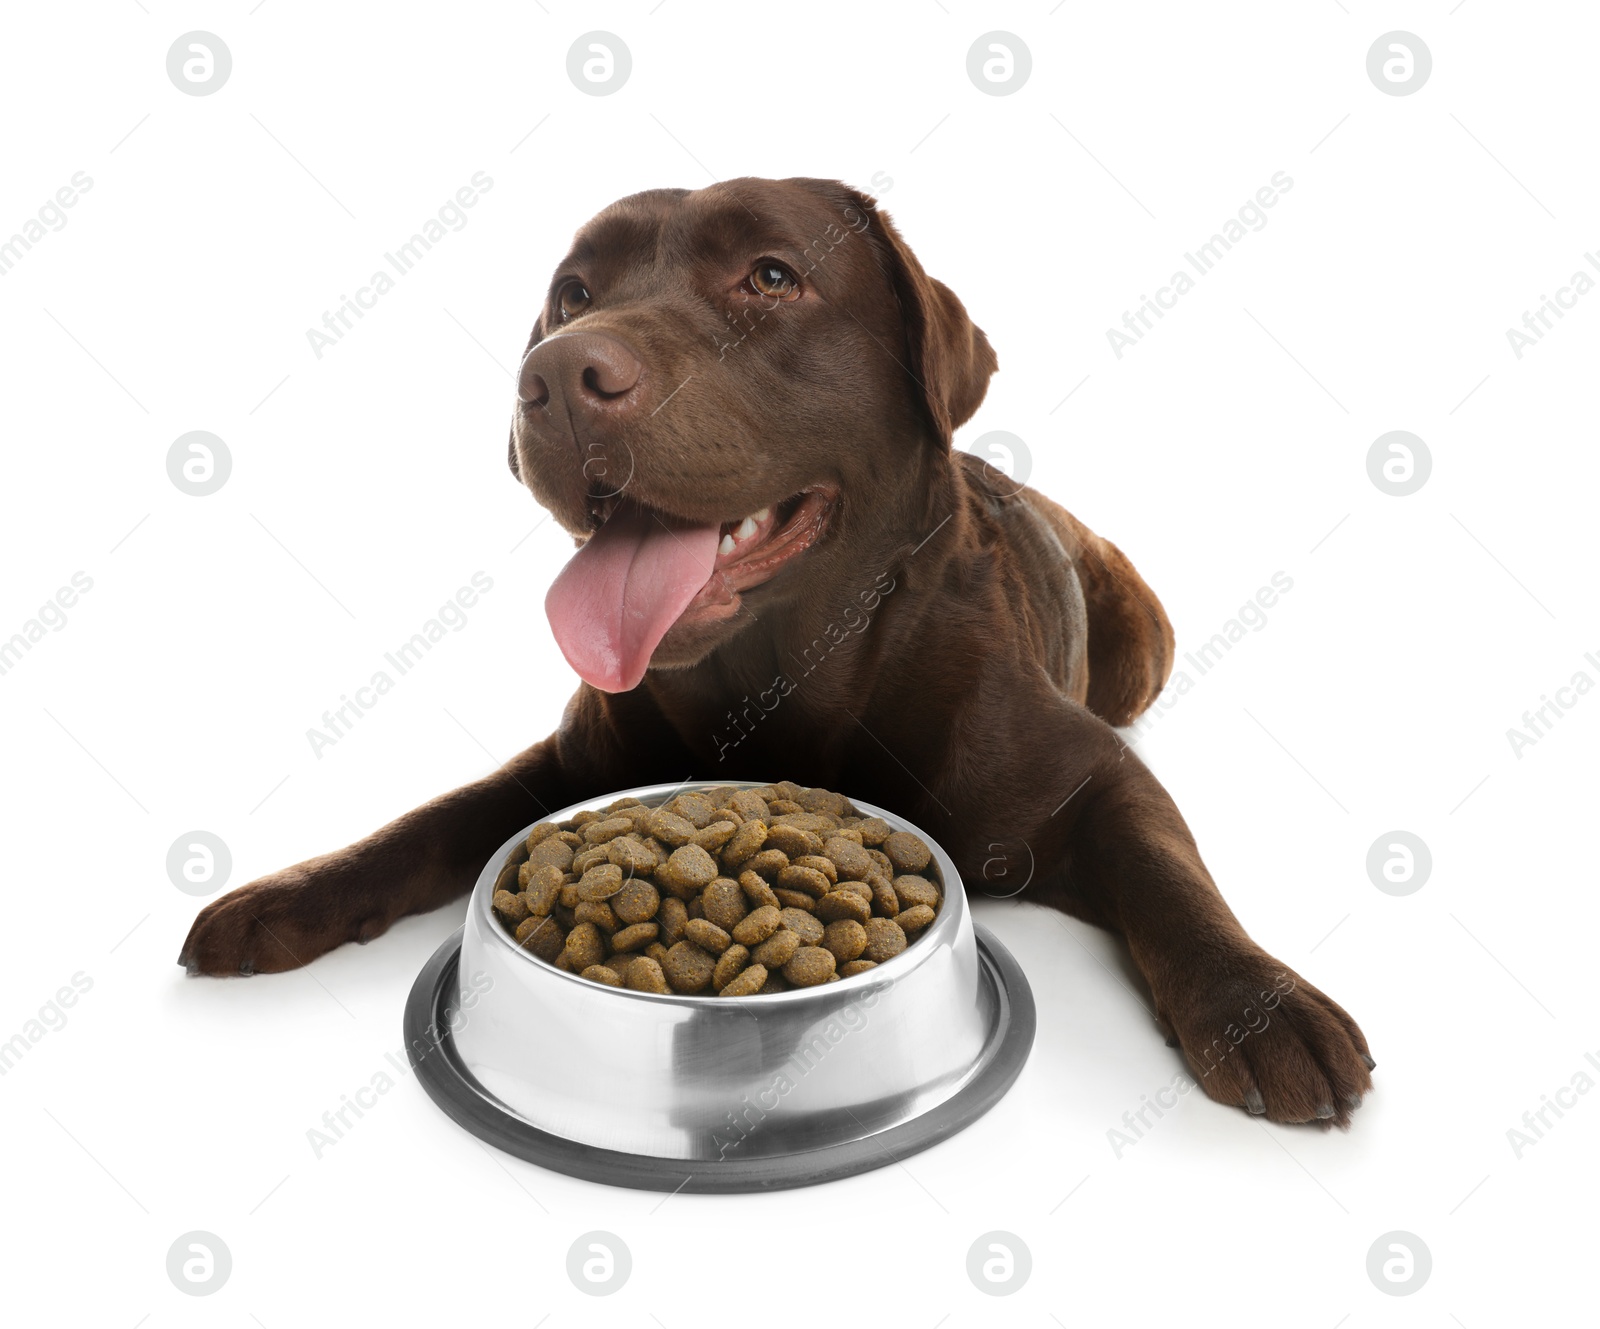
[[613, 603]]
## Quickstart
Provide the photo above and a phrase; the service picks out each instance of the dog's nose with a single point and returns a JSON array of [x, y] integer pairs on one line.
[[585, 369]]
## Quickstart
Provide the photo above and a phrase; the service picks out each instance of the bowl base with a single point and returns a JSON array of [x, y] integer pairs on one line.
[[432, 1052]]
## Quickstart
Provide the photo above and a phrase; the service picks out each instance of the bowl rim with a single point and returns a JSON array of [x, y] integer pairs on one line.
[[953, 911]]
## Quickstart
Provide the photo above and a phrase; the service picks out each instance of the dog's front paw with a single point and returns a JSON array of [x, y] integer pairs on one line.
[[282, 921], [1258, 1036]]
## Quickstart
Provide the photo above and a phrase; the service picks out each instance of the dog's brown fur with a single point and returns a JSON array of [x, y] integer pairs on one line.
[[991, 640]]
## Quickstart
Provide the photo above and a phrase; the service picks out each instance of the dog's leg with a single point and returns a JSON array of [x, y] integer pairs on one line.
[[415, 863], [1255, 1034]]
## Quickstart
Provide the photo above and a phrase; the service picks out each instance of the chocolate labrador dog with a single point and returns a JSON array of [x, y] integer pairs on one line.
[[740, 401]]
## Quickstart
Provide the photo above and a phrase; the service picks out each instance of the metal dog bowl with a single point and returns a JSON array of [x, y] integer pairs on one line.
[[703, 1093]]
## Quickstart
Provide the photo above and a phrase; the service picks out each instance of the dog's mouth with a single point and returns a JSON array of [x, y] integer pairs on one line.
[[645, 571]]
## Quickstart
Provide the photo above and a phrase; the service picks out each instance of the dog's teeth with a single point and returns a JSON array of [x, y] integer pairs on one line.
[[726, 547], [760, 516], [747, 528]]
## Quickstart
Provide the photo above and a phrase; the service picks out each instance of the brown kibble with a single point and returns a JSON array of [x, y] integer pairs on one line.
[[885, 939], [884, 900], [687, 967], [597, 912], [874, 831], [792, 840], [861, 888], [637, 901], [748, 983], [632, 855], [776, 982], [819, 824], [846, 939], [809, 880], [809, 966], [757, 891], [694, 906], [567, 897], [539, 834], [757, 926], [916, 890], [543, 889], [656, 951], [776, 950], [745, 843], [600, 882], [824, 801], [634, 938], [730, 964], [689, 868], [670, 828], [851, 859], [565, 919], [671, 918], [784, 807], [794, 900], [907, 852], [706, 935], [818, 863], [694, 808], [563, 962], [843, 904], [915, 918], [557, 853], [768, 863], [749, 805], [882, 860], [714, 836], [645, 975], [584, 947], [587, 857], [598, 832], [805, 926], [512, 908], [856, 967], [599, 973], [724, 903], [541, 936]]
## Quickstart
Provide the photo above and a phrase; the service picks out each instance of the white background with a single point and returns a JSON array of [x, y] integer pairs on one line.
[[369, 485]]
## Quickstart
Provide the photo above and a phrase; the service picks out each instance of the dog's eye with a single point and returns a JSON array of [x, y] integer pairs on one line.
[[573, 300], [774, 281]]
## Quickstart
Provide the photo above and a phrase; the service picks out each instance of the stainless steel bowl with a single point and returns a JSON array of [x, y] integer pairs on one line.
[[645, 1089]]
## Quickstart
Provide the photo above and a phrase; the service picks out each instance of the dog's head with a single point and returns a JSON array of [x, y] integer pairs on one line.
[[725, 385]]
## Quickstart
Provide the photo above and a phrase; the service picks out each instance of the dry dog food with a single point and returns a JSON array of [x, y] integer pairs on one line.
[[733, 892]]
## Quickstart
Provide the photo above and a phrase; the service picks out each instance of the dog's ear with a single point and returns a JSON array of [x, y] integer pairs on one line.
[[948, 356]]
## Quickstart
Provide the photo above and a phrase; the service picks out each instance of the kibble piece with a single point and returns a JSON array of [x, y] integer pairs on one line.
[[745, 843], [543, 889], [694, 808], [856, 967], [539, 834], [809, 966], [792, 840], [849, 858], [757, 891], [714, 836], [849, 832], [819, 824], [632, 855], [636, 902], [776, 950], [565, 919], [585, 946], [598, 832], [776, 982], [884, 900], [689, 868], [748, 983], [874, 831], [915, 918], [788, 899], [670, 828], [695, 907], [824, 801], [768, 863], [882, 860], [645, 975], [843, 904], [809, 880], [555, 852], [512, 908], [749, 805], [587, 857], [634, 938], [597, 912], [706, 935], [671, 917], [656, 951], [757, 926], [860, 888], [581, 819], [730, 964], [916, 890], [563, 961], [541, 936], [846, 938], [818, 863], [599, 973], [688, 968], [567, 897], [724, 903], [600, 882], [907, 852], [804, 925], [885, 939]]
